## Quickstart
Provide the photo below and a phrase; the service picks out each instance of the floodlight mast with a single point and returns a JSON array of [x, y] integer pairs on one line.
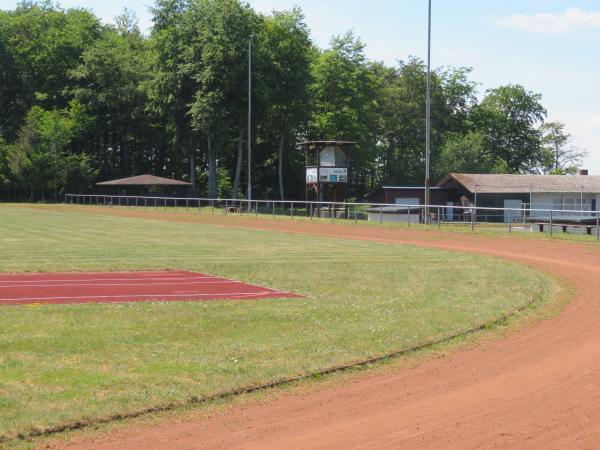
[[251, 38], [428, 118]]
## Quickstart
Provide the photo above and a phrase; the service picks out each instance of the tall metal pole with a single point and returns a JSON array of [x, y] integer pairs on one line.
[[250, 120], [428, 118]]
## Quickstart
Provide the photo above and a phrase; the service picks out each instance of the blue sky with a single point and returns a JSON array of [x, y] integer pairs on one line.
[[549, 46]]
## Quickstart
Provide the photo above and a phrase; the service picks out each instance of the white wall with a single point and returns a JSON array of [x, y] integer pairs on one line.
[[566, 202]]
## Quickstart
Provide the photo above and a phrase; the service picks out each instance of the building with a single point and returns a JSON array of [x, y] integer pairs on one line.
[[562, 193]]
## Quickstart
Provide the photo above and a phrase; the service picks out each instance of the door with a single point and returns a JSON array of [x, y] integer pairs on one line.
[[512, 213], [450, 211]]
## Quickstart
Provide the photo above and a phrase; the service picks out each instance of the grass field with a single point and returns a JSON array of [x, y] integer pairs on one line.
[[61, 363], [518, 229]]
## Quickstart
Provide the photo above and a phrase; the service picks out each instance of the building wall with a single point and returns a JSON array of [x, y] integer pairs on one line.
[[496, 201], [565, 202], [437, 197]]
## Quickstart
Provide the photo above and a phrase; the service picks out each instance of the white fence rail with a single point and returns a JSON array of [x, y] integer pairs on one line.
[[523, 219]]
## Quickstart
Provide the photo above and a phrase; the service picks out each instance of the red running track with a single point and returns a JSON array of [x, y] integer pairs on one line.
[[117, 287]]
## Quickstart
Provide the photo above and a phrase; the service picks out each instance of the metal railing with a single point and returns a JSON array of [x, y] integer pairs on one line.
[[509, 219], [562, 210]]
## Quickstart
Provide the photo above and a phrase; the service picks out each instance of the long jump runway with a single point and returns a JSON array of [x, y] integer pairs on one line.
[[118, 287]]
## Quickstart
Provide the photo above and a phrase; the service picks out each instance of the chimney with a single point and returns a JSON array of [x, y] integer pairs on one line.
[[583, 172]]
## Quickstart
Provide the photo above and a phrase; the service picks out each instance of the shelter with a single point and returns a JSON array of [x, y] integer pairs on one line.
[[558, 192], [146, 184]]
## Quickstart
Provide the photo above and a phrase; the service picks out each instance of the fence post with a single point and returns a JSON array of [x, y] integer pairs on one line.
[[380, 214], [597, 226], [291, 210], [187, 205], [311, 211], [273, 210], [439, 218], [408, 215], [355, 215], [212, 207], [509, 222], [551, 212]]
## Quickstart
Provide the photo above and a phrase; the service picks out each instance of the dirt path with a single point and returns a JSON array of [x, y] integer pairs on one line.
[[537, 388]]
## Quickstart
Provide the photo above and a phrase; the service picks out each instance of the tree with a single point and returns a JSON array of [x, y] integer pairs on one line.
[[468, 154], [509, 117], [345, 93], [216, 59], [77, 95], [109, 82], [45, 42], [11, 90], [284, 60], [559, 156], [401, 154], [40, 161], [4, 168], [172, 86]]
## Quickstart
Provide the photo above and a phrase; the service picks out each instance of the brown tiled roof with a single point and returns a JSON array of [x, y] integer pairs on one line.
[[490, 184], [144, 180]]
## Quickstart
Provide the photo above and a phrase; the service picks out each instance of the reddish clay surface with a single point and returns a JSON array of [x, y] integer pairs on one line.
[[119, 287], [537, 388]]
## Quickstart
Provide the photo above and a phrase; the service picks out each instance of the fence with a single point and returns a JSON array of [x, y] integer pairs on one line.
[[542, 210], [508, 219]]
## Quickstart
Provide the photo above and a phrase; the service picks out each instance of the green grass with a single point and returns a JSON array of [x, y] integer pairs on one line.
[[61, 363], [481, 228]]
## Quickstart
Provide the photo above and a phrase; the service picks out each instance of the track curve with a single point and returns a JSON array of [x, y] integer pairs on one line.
[[537, 388]]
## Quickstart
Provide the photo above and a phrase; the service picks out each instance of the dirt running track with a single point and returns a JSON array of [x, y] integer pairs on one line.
[[537, 388]]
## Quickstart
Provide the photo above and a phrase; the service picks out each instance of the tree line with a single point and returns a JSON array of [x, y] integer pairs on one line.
[[82, 101]]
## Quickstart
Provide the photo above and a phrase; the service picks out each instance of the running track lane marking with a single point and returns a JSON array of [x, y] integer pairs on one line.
[[21, 289]]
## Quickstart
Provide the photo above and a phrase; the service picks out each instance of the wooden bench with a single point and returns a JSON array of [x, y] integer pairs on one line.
[[565, 226]]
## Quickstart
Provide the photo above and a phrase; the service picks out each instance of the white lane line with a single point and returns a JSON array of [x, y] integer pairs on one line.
[[117, 284], [231, 294], [49, 280]]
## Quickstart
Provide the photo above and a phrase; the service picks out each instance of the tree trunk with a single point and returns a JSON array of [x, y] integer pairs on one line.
[[238, 167], [193, 174], [212, 169], [125, 162], [281, 144]]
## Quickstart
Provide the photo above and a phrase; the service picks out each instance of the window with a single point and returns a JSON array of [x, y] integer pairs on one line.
[[557, 204]]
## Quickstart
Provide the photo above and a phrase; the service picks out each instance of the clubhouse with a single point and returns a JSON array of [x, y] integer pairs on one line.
[[459, 191]]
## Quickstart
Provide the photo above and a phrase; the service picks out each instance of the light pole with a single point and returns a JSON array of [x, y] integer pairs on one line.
[[250, 120], [428, 118]]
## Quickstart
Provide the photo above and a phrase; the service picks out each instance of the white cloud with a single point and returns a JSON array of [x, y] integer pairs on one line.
[[594, 122], [571, 20]]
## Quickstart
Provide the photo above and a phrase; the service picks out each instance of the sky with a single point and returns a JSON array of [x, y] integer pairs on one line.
[[549, 46]]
